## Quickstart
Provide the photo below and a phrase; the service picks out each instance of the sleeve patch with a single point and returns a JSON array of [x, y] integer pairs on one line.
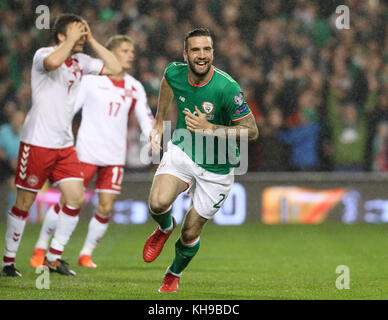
[[242, 109], [238, 99]]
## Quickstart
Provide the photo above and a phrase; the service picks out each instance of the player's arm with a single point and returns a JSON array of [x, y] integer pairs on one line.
[[111, 64], [54, 60], [246, 125], [143, 112], [165, 97]]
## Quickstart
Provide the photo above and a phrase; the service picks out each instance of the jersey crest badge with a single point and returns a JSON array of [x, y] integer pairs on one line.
[[208, 107]]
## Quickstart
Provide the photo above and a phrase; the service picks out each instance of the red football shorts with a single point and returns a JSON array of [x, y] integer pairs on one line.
[[108, 180], [37, 164]]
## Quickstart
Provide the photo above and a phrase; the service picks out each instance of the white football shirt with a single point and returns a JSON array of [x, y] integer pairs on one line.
[[49, 121], [106, 105]]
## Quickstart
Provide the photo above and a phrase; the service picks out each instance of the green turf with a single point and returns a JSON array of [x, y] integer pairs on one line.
[[252, 261]]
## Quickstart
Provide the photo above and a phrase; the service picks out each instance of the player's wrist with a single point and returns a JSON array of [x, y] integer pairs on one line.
[[158, 124], [91, 41], [209, 126]]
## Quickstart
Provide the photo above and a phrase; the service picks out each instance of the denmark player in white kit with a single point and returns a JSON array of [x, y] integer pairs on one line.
[[46, 148], [106, 104]]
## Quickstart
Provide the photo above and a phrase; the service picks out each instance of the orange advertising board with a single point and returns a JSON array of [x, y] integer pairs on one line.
[[298, 205]]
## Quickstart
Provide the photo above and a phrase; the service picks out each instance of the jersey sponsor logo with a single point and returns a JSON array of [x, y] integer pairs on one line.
[[242, 109], [238, 99]]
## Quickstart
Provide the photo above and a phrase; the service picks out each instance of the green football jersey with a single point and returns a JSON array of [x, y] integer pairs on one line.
[[223, 102]]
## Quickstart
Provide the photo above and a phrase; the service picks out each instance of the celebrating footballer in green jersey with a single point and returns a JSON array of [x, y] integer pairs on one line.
[[211, 109], [220, 99]]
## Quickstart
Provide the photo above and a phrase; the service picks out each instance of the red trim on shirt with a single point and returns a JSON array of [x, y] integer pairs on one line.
[[117, 83], [100, 73], [204, 83], [242, 117], [133, 105]]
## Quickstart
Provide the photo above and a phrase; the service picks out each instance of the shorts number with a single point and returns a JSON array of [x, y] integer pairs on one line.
[[218, 204], [118, 175]]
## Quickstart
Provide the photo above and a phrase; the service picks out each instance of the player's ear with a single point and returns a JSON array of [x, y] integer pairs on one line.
[[185, 55], [61, 37]]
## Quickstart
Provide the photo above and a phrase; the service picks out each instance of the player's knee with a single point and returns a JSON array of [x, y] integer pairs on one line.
[[158, 204], [76, 201], [189, 235], [104, 208], [24, 200], [81, 200]]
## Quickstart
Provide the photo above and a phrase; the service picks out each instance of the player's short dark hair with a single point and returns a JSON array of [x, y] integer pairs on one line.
[[114, 41], [61, 23], [198, 32]]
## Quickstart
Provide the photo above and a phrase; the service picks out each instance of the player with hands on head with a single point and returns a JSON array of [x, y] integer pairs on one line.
[[106, 104], [46, 148]]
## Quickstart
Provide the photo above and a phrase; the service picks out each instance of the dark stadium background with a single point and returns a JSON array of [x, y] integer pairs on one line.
[[301, 76]]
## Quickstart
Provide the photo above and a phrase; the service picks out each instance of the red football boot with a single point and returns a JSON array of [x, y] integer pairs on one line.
[[170, 283], [154, 244], [37, 258], [86, 261]]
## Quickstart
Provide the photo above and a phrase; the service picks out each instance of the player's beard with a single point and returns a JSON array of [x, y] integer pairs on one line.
[[200, 74]]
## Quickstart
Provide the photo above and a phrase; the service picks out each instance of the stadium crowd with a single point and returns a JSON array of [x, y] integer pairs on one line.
[[319, 94]]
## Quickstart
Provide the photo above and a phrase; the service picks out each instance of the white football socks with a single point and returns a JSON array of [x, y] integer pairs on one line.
[[67, 221], [16, 222], [97, 228], [48, 227]]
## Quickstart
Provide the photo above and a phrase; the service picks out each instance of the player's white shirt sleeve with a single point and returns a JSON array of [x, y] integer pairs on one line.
[[49, 121], [38, 59], [142, 111], [90, 65]]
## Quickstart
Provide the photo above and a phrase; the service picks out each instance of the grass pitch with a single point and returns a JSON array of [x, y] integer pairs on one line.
[[248, 262]]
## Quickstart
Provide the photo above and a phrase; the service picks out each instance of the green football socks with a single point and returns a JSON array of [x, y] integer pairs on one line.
[[164, 219], [184, 252]]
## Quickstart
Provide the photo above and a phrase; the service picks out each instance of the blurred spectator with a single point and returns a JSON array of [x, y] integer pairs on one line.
[[376, 134], [348, 134], [380, 148], [269, 153], [303, 140], [287, 55], [9, 149]]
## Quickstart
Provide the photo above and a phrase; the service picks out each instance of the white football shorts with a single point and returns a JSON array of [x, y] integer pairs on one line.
[[208, 190]]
